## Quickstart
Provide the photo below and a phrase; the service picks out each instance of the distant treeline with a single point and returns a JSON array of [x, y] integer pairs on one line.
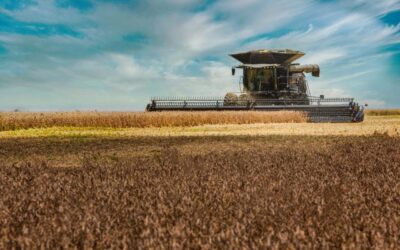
[[382, 112]]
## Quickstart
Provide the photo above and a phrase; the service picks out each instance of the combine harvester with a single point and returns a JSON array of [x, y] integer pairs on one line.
[[270, 82]]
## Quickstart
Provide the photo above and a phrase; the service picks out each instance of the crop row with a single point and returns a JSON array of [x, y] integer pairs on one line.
[[21, 120]]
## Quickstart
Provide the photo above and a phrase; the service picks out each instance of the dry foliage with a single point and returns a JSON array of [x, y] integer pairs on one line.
[[211, 192], [20, 120], [382, 112]]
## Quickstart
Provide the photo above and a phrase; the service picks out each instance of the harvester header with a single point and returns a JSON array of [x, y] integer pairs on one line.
[[270, 82]]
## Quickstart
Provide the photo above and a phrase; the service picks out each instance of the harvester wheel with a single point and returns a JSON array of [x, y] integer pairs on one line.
[[244, 100], [230, 99]]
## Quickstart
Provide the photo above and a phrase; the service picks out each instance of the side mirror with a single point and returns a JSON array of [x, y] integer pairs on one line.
[[233, 71], [366, 105]]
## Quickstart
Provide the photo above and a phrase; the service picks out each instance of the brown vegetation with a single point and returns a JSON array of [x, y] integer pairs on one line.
[[382, 112], [21, 120], [210, 192]]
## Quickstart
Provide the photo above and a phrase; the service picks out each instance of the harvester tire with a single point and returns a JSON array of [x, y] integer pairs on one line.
[[244, 100], [231, 99]]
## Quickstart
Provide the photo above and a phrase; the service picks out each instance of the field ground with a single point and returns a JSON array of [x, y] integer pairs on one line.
[[285, 186], [372, 125], [220, 191]]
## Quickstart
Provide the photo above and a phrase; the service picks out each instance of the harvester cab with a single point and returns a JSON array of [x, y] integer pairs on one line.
[[271, 81], [271, 74]]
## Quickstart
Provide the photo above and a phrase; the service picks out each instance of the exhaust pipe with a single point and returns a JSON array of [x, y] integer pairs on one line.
[[306, 68]]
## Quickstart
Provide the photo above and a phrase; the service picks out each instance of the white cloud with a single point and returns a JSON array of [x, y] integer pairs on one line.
[[325, 55], [46, 11], [374, 7], [348, 77], [373, 103]]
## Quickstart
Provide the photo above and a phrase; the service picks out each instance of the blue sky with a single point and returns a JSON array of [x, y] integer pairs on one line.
[[115, 55]]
